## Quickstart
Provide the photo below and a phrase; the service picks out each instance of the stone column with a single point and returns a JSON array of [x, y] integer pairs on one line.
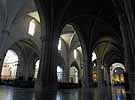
[[131, 21], [131, 78], [101, 86], [100, 73], [127, 23], [129, 59], [67, 68], [81, 71], [47, 78], [129, 62], [108, 79], [87, 73], [25, 71], [106, 76], [66, 73], [90, 69]]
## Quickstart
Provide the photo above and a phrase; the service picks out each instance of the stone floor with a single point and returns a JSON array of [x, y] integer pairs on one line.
[[118, 93]]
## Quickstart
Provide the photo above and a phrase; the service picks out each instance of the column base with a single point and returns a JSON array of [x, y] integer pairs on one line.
[[45, 91]]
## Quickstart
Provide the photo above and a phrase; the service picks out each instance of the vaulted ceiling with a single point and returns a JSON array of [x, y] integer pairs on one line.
[[11, 10], [95, 21]]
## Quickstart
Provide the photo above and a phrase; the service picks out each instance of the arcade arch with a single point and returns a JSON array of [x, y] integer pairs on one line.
[[10, 65], [117, 71], [70, 48], [74, 74]]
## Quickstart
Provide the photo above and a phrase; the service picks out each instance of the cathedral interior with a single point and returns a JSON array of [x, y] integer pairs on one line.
[[67, 50]]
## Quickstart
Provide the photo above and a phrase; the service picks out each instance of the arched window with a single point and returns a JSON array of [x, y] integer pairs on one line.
[[94, 56], [36, 69], [59, 74], [9, 68], [59, 45], [75, 54], [32, 26]]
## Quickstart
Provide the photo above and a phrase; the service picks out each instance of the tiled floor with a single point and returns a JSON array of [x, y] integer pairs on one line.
[[10, 93]]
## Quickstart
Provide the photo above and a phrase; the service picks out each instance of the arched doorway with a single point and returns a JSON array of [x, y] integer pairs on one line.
[[73, 75], [28, 55], [117, 71], [9, 68], [94, 57]]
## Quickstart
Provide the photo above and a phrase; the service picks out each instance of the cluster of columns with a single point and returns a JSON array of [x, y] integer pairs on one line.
[[47, 77], [127, 24]]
